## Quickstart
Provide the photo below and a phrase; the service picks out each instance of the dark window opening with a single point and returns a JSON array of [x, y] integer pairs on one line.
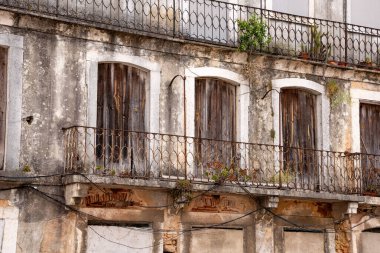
[[372, 230], [118, 224], [289, 229]]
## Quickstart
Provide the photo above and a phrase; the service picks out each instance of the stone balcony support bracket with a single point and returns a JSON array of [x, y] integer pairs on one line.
[[270, 202], [352, 207], [75, 192]]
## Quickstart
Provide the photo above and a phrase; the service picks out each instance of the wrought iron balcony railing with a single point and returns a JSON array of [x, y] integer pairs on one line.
[[216, 23], [130, 154]]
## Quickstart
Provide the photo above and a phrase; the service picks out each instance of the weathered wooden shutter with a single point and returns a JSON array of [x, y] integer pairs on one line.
[[121, 112], [298, 118], [370, 144], [3, 101], [298, 135], [215, 107], [121, 97], [370, 128]]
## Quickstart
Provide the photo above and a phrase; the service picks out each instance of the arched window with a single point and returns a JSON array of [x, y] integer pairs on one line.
[[123, 105], [365, 111], [215, 120], [217, 108], [121, 121], [301, 119], [298, 117]]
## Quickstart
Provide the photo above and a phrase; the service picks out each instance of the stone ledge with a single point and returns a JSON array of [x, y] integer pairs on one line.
[[234, 189]]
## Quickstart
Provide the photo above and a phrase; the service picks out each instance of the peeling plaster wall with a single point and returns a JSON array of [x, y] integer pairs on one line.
[[55, 94]]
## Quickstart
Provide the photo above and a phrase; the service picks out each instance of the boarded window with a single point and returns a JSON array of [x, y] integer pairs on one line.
[[120, 116], [370, 144], [118, 238], [298, 133], [217, 241], [301, 242], [214, 120], [3, 101]]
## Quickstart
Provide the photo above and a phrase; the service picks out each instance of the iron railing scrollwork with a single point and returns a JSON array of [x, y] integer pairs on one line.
[[164, 156], [215, 22]]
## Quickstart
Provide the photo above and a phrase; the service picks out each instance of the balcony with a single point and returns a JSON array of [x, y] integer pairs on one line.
[[215, 22], [145, 156]]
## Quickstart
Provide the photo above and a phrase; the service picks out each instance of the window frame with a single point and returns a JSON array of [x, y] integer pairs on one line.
[[359, 96], [322, 111], [242, 98], [242, 101], [152, 89], [9, 215], [15, 46]]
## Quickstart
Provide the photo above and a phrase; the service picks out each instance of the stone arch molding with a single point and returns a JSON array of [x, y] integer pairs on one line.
[[242, 97], [152, 89], [322, 110], [358, 96], [15, 58]]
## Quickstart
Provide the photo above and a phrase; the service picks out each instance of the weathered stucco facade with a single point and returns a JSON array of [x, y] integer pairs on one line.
[[48, 206]]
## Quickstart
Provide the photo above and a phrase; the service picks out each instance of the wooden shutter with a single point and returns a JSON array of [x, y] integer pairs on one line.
[[121, 103], [298, 118], [214, 122], [370, 128], [3, 101], [370, 144], [298, 136], [121, 97], [215, 109]]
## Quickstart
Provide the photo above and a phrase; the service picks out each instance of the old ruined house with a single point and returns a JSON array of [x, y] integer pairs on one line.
[[138, 126]]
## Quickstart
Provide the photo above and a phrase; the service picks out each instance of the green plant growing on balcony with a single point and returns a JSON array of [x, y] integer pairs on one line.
[[371, 190], [367, 62], [318, 51], [182, 193], [253, 34], [220, 173], [99, 168], [304, 54]]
